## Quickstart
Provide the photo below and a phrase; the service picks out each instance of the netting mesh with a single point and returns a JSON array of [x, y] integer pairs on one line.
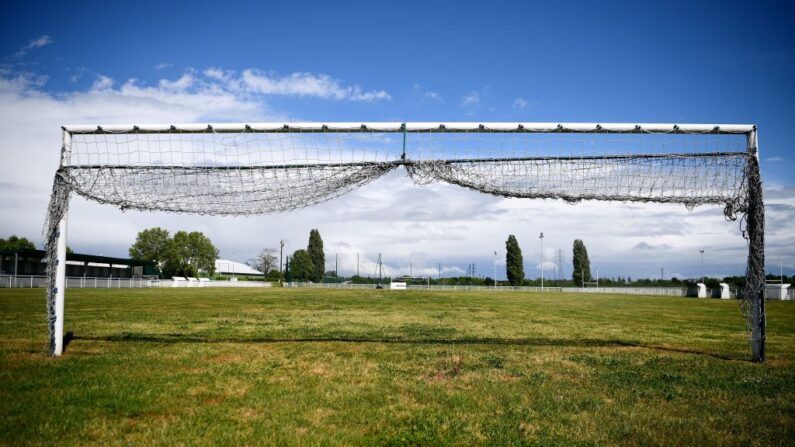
[[254, 172]]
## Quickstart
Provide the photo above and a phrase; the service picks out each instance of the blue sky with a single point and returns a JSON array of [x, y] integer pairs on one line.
[[710, 62]]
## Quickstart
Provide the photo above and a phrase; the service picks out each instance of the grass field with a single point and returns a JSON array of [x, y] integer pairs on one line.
[[338, 367]]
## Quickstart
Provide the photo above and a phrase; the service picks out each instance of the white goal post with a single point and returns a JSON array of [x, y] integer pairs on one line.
[[262, 168]]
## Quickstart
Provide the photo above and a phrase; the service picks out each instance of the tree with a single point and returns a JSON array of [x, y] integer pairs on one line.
[[581, 265], [315, 251], [514, 265], [190, 253], [266, 261], [301, 266], [151, 245], [16, 243]]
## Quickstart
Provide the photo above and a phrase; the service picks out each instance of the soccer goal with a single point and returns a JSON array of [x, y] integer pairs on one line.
[[261, 168]]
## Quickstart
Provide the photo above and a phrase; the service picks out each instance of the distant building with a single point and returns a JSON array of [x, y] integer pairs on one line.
[[225, 267], [31, 262]]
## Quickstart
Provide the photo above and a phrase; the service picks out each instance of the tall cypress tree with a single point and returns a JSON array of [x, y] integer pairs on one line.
[[315, 249], [581, 264], [514, 265], [301, 266]]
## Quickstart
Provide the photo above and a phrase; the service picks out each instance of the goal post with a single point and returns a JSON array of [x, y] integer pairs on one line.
[[263, 168], [755, 268]]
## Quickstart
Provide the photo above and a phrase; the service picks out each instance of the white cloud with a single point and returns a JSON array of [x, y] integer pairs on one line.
[[33, 44], [421, 96], [180, 85], [470, 99], [102, 83], [308, 84], [649, 247], [215, 73], [433, 96], [163, 66], [774, 159], [519, 103]]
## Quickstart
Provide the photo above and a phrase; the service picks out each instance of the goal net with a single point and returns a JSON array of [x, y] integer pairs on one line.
[[244, 169]]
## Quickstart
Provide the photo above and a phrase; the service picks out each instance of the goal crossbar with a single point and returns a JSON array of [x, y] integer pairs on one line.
[[443, 127]]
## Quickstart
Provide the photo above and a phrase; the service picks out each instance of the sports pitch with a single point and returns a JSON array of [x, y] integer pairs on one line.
[[342, 367]]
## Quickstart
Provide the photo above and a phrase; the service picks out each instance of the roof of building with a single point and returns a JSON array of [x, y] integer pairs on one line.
[[234, 267], [40, 254]]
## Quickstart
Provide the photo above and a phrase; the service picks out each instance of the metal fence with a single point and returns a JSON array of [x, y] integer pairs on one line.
[[35, 281], [662, 291], [184, 284], [311, 285]]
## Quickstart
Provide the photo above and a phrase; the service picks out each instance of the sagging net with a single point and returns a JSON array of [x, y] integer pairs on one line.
[[261, 173], [253, 172]]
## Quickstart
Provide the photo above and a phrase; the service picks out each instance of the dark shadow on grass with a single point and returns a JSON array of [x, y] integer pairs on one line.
[[68, 339], [581, 343]]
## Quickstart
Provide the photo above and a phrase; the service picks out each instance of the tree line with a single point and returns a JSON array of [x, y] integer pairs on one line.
[[514, 263], [16, 243], [189, 254], [184, 254], [192, 253]]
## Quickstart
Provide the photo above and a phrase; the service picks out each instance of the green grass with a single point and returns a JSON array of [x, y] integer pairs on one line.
[[311, 367]]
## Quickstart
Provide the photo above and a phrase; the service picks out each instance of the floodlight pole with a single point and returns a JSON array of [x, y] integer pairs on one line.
[[702, 265]]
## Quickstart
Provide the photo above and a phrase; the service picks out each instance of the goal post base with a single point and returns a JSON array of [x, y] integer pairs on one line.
[[60, 290]]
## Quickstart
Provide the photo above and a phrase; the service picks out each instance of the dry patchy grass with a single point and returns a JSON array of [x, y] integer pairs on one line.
[[307, 367]]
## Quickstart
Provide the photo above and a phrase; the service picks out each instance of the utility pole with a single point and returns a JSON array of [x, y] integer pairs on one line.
[[495, 270], [702, 265], [555, 270], [287, 270], [561, 270], [662, 273], [439, 277], [281, 254], [542, 260], [336, 265], [357, 264]]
